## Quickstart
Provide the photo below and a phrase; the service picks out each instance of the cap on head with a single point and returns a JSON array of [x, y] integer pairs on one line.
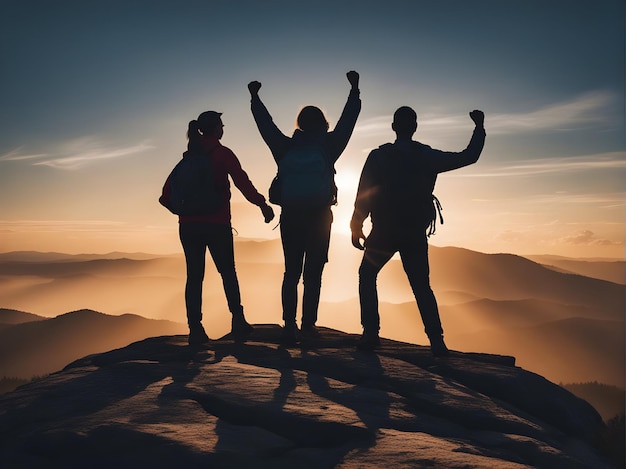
[[404, 120]]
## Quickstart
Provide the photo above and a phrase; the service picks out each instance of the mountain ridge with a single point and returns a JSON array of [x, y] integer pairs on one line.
[[47, 345], [503, 289]]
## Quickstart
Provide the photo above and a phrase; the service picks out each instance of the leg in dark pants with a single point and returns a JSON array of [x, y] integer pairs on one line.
[[196, 238], [373, 261], [305, 238], [220, 246], [294, 244], [318, 242], [194, 247], [414, 257]]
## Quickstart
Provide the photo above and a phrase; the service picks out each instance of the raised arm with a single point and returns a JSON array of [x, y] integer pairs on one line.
[[345, 125], [271, 134], [446, 161]]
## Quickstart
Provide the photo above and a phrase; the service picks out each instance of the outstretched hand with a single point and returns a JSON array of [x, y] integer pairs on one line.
[[268, 212], [357, 236], [478, 117], [254, 87], [353, 78]]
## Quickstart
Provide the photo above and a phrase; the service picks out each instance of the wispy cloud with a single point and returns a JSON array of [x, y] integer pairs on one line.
[[604, 161], [583, 111], [542, 235], [76, 154], [588, 238], [591, 109], [17, 155], [74, 226], [374, 125], [607, 200]]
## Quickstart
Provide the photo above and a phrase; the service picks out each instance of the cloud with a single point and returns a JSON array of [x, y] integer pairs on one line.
[[373, 126], [75, 226], [545, 235], [588, 238], [16, 155], [583, 111], [590, 109], [58, 225], [88, 151], [610, 161], [77, 154], [528, 204]]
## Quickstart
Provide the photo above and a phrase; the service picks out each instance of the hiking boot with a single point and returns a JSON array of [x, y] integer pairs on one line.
[[290, 334], [438, 347], [368, 342], [310, 332], [240, 327], [197, 335]]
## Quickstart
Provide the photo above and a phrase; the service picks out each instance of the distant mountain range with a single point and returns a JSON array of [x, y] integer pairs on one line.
[[36, 256], [567, 324], [32, 345], [603, 269]]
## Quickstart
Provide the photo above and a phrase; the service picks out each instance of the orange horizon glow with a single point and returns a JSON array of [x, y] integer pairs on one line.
[[102, 237]]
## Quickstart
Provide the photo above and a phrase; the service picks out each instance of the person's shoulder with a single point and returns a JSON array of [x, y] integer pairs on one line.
[[383, 149], [223, 151], [419, 147], [420, 144], [223, 156], [380, 151]]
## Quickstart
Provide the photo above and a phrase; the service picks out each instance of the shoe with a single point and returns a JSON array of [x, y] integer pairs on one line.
[[290, 334], [240, 327], [197, 335], [310, 332], [368, 342], [438, 347]]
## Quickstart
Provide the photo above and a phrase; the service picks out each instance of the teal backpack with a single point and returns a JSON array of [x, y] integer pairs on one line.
[[305, 178]]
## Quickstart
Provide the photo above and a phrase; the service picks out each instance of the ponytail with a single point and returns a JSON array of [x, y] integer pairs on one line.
[[205, 125], [193, 135]]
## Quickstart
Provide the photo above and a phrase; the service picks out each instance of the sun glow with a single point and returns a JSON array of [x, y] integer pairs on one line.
[[347, 181]]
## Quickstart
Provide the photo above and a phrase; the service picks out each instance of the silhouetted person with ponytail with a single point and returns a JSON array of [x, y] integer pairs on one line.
[[305, 190], [396, 191], [213, 230]]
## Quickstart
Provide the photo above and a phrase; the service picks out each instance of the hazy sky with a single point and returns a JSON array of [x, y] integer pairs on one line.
[[96, 97]]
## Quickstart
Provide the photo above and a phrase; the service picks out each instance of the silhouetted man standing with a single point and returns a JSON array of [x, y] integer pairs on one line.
[[396, 191]]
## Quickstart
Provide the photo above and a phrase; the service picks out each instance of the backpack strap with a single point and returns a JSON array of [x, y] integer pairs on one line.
[[432, 228]]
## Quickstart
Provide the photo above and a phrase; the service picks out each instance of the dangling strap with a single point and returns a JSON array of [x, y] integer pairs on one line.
[[432, 228]]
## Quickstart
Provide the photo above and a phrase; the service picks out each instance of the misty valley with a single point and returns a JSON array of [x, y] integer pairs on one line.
[[560, 318]]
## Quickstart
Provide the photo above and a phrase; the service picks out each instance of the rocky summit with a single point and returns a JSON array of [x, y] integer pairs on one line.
[[160, 403]]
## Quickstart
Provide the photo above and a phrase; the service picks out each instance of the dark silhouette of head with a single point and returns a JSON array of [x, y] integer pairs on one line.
[[312, 119], [209, 123], [404, 122]]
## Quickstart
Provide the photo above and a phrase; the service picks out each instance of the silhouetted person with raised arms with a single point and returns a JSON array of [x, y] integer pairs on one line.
[[213, 230], [305, 190], [396, 191]]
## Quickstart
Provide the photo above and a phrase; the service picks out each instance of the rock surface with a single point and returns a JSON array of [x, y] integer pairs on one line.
[[159, 403]]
